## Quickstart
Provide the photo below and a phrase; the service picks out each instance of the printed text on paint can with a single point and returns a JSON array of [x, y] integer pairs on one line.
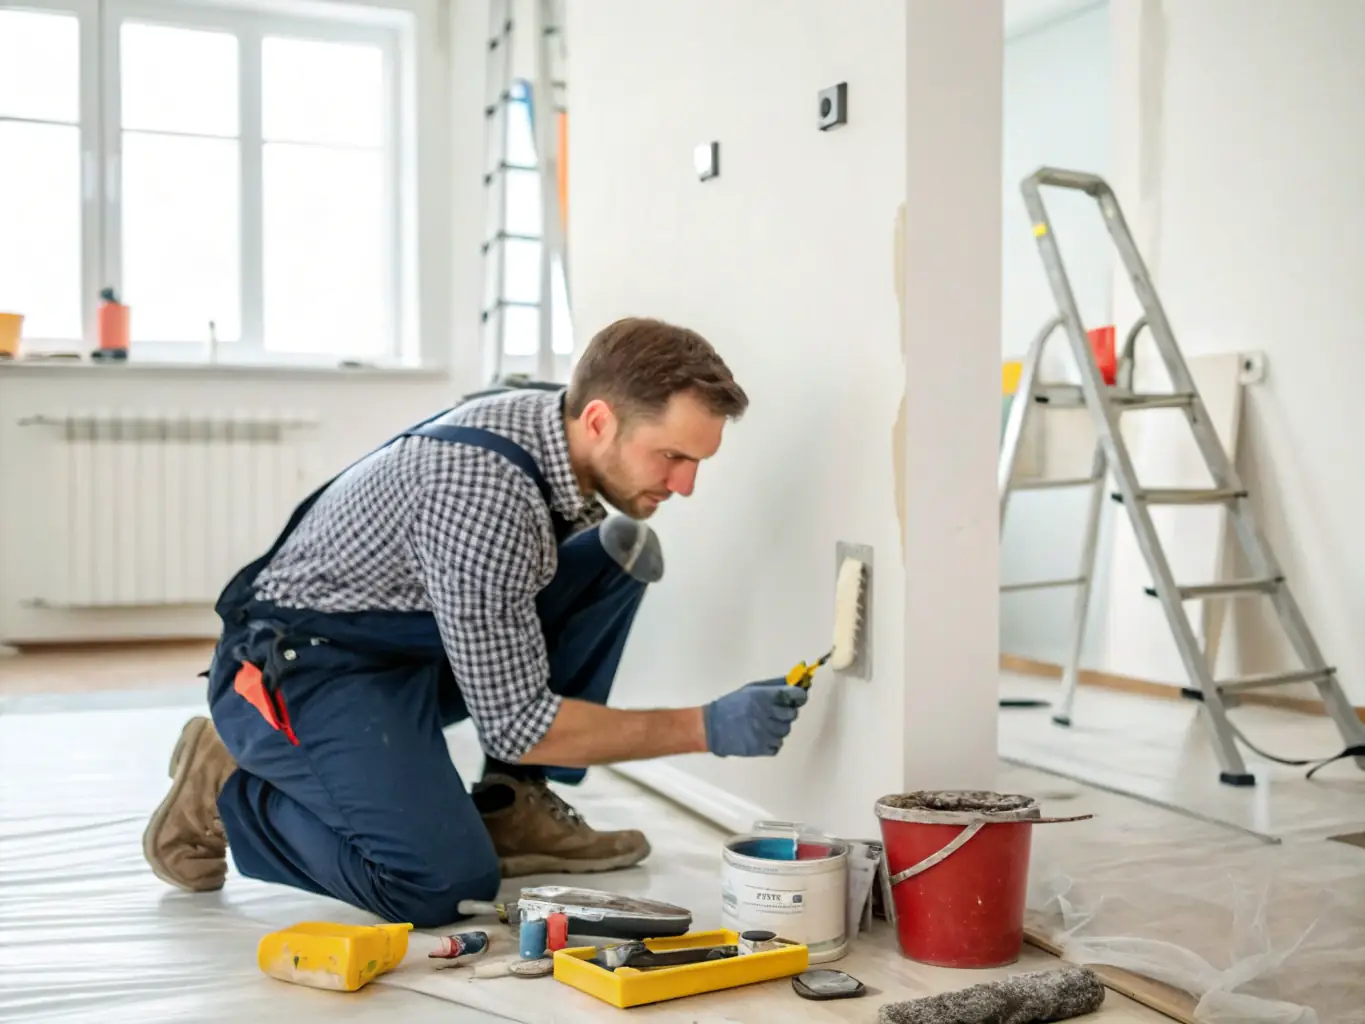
[[774, 900]]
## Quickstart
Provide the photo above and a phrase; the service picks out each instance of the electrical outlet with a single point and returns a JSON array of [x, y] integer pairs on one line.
[[1252, 370], [833, 103], [862, 662]]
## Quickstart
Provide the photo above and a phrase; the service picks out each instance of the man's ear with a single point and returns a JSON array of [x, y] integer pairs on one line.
[[599, 422]]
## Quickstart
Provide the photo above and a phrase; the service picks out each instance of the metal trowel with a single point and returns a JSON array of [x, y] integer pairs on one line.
[[590, 912]]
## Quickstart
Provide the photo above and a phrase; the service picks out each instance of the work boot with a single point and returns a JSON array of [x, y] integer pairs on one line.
[[184, 842], [536, 832]]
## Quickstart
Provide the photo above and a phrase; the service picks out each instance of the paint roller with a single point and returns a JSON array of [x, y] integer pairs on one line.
[[1031, 998], [848, 620]]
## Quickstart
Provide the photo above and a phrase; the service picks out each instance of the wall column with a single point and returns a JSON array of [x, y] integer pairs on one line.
[[951, 421]]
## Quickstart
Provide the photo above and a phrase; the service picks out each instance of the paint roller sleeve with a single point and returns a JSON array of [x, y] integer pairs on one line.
[[754, 720]]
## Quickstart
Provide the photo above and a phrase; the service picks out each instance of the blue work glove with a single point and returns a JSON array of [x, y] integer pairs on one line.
[[754, 720]]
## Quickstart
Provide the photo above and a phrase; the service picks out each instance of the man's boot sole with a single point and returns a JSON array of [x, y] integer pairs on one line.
[[189, 736], [544, 864]]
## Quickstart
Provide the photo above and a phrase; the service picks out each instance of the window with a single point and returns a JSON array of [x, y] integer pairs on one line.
[[41, 208], [235, 175]]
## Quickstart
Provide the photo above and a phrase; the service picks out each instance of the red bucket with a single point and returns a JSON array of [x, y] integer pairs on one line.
[[958, 862]]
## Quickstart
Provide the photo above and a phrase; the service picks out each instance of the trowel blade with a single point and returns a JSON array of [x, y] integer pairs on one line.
[[593, 912]]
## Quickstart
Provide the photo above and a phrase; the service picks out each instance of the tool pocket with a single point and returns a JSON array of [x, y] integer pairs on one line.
[[265, 660]]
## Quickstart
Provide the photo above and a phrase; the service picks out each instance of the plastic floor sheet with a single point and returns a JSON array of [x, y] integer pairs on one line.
[[1259, 933], [88, 934], [1262, 933]]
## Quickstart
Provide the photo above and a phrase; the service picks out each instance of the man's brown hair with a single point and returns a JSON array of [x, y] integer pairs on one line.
[[637, 364]]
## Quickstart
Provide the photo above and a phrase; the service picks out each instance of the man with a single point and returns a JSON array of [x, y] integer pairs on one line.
[[466, 569]]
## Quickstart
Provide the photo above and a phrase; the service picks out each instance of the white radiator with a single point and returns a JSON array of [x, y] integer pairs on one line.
[[161, 508]]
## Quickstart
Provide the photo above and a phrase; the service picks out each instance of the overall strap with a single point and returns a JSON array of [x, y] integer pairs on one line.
[[477, 437], [304, 506], [238, 590], [240, 586]]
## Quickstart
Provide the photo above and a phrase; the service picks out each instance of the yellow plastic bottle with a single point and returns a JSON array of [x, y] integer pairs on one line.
[[340, 957]]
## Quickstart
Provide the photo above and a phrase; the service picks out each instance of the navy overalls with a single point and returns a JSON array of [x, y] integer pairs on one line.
[[345, 786]]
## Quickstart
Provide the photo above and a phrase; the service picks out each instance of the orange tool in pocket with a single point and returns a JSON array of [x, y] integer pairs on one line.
[[250, 684]]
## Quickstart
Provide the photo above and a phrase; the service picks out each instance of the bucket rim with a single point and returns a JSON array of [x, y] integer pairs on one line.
[[924, 816]]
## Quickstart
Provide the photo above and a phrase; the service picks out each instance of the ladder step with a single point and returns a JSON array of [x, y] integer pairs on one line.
[[504, 304], [1065, 396], [1261, 682], [1193, 592], [1044, 483], [508, 236], [1186, 496], [503, 167], [1009, 588], [1130, 401], [1060, 395], [504, 98]]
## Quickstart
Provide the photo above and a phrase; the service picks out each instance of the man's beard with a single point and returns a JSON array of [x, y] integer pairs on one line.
[[632, 504]]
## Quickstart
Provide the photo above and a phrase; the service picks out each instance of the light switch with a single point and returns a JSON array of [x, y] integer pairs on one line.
[[706, 158]]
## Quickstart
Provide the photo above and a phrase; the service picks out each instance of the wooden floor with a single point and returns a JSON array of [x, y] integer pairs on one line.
[[1158, 750], [103, 668]]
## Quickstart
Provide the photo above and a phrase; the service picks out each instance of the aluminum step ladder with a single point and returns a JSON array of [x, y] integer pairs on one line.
[[1032, 396], [546, 101], [1111, 457]]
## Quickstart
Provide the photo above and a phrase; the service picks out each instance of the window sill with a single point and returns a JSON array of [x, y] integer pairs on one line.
[[234, 370]]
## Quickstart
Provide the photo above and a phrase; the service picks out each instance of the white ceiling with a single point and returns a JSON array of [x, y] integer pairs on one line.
[[1026, 15]]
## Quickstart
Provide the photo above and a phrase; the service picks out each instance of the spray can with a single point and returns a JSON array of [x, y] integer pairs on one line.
[[113, 327]]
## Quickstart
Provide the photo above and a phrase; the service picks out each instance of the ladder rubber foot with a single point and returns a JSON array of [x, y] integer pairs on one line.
[[1063, 720], [1237, 778]]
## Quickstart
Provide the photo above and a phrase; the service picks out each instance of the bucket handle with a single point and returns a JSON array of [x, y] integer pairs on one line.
[[961, 839]]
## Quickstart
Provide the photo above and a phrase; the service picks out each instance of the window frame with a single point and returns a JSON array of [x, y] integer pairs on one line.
[[251, 24], [393, 25], [86, 13]]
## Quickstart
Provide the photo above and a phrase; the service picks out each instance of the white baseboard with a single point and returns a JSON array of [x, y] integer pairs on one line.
[[704, 799]]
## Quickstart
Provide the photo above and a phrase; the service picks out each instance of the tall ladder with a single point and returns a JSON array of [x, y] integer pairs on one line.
[[1111, 456], [547, 102]]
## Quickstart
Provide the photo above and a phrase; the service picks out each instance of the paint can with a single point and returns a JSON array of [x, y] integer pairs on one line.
[[791, 881]]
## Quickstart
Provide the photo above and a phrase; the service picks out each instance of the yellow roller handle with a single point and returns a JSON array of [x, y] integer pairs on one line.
[[802, 674]]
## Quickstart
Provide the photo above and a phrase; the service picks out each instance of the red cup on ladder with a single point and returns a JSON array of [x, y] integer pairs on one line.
[[1106, 357]]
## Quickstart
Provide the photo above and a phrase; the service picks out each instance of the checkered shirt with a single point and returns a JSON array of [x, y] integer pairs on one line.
[[427, 525]]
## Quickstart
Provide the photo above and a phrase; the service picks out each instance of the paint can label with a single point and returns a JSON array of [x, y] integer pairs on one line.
[[799, 910], [771, 901]]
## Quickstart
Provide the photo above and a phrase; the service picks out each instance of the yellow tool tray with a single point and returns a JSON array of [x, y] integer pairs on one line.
[[627, 986]]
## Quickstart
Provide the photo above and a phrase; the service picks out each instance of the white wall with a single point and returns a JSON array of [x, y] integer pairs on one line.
[[786, 263], [1243, 152], [1057, 113]]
